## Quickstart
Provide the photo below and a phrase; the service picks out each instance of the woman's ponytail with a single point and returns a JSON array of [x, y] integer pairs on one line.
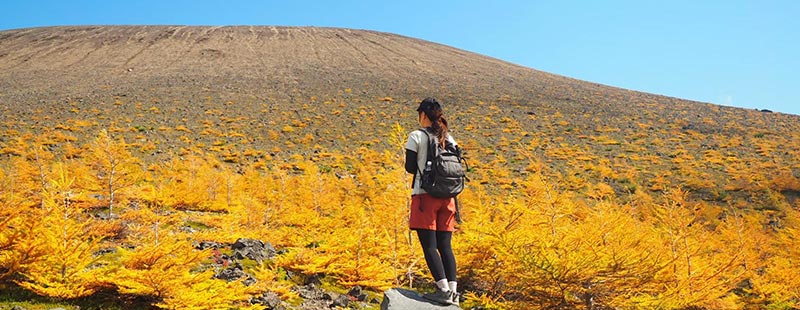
[[438, 125], [433, 110], [441, 131]]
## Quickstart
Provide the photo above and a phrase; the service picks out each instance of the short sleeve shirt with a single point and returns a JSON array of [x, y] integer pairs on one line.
[[418, 142]]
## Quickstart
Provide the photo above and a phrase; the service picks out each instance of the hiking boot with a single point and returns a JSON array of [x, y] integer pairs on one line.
[[439, 297], [454, 298]]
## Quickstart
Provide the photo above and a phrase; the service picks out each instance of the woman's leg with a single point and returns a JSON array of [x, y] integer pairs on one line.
[[445, 250], [429, 247]]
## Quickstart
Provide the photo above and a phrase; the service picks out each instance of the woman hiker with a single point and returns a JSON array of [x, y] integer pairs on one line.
[[433, 218]]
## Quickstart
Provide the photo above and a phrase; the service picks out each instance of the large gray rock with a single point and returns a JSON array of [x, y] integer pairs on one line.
[[403, 299], [256, 250]]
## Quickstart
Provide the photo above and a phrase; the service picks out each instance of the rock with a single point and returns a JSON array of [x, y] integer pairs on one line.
[[310, 291], [234, 273], [249, 281], [313, 279], [269, 300], [357, 293], [18, 308], [202, 245], [230, 274], [311, 304], [403, 299], [343, 301], [253, 249], [315, 298]]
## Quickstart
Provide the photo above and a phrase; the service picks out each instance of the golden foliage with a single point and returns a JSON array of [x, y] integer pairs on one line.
[[530, 239], [69, 268]]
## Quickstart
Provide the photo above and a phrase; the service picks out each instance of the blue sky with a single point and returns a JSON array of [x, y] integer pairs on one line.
[[733, 53]]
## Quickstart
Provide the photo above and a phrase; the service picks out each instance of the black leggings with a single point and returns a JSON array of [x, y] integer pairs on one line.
[[438, 253]]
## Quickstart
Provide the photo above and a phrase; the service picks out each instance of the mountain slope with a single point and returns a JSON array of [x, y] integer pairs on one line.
[[581, 195], [252, 63], [248, 92]]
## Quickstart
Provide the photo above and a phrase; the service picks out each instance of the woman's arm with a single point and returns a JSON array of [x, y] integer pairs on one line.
[[411, 161]]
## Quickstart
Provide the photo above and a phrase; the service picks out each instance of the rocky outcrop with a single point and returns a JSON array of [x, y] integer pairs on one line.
[[403, 299], [256, 250], [229, 268]]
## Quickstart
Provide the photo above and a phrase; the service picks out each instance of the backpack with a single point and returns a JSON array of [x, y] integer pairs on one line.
[[443, 175]]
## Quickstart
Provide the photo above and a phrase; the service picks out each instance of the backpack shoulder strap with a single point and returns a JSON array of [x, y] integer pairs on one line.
[[433, 145], [419, 169]]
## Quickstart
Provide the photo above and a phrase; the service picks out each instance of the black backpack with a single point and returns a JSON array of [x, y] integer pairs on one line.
[[443, 175]]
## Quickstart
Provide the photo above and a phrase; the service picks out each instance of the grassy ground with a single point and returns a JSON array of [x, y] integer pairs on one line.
[[12, 295]]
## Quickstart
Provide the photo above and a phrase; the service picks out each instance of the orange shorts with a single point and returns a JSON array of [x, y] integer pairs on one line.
[[431, 213]]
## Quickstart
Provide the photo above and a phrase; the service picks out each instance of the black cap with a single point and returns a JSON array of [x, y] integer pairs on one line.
[[429, 104]]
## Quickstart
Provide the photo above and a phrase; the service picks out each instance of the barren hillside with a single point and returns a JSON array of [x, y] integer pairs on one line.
[[251, 63], [42, 68]]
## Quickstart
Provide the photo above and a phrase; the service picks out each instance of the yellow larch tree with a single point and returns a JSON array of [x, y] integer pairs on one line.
[[367, 252], [774, 268], [40, 158], [19, 219], [195, 182], [162, 261], [343, 224], [702, 268], [549, 250], [70, 269], [114, 167]]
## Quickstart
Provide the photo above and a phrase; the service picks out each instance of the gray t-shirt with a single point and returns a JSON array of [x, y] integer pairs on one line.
[[418, 142]]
